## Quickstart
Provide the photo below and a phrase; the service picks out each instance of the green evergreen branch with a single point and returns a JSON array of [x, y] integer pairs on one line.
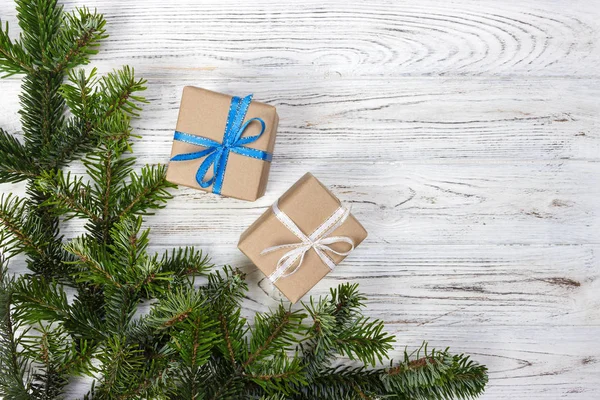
[[119, 306], [25, 232], [13, 367], [92, 262], [42, 106], [99, 116], [116, 92], [87, 314], [107, 186], [80, 94], [193, 343], [344, 382], [77, 39], [120, 363], [184, 261], [51, 348], [436, 375], [175, 308], [77, 361], [334, 330], [279, 373], [273, 331], [226, 389], [82, 100], [276, 396], [364, 340], [13, 58], [36, 300], [128, 244], [40, 21], [108, 170], [68, 195], [150, 383], [17, 164], [143, 192]]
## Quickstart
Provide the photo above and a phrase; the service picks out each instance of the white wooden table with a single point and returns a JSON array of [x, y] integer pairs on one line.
[[465, 134]]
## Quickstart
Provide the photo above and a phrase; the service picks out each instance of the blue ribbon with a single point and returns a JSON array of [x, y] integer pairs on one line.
[[217, 153]]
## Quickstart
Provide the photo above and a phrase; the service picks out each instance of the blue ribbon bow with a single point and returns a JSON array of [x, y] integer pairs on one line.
[[217, 153]]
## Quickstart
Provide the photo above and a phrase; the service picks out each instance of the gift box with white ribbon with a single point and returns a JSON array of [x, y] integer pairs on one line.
[[302, 237]]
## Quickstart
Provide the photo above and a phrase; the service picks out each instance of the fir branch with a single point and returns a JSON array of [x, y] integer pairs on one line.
[[77, 358], [227, 338], [121, 364], [225, 288], [117, 92], [348, 302], [436, 375], [272, 332], [14, 368], [77, 39], [68, 195], [128, 244], [119, 307], [36, 300], [68, 142], [279, 373], [193, 343], [107, 185], [108, 170], [233, 329], [276, 396], [87, 314], [175, 308], [334, 329], [25, 231], [92, 262], [13, 58], [42, 114], [81, 95], [17, 165], [364, 340], [225, 293], [40, 21], [144, 191], [82, 100], [344, 382], [42, 106], [184, 261], [99, 117], [50, 347], [149, 385], [223, 384]]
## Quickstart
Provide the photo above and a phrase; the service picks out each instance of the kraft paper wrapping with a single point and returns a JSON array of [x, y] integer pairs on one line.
[[308, 203], [204, 113]]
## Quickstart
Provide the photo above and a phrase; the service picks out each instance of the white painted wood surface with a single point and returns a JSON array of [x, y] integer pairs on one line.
[[465, 134]]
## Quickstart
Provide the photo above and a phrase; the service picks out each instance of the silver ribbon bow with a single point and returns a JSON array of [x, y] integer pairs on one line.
[[319, 240]]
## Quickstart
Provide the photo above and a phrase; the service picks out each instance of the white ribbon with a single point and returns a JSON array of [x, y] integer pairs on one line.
[[319, 240]]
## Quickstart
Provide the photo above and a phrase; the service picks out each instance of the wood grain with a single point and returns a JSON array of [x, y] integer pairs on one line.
[[464, 134]]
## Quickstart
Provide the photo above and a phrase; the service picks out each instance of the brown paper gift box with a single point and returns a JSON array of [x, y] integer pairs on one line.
[[308, 203], [204, 113]]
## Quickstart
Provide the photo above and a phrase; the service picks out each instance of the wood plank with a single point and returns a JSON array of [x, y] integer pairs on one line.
[[400, 119], [509, 203], [329, 38]]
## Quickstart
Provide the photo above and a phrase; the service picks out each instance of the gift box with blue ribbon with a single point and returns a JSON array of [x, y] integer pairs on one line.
[[223, 144]]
